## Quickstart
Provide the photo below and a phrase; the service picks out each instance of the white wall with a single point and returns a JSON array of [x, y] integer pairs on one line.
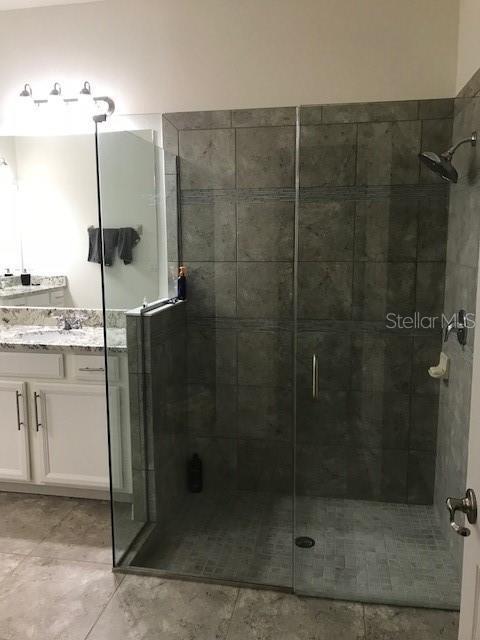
[[168, 55], [468, 41], [10, 248], [57, 203]]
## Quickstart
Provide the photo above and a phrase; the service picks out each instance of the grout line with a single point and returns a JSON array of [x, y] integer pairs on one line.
[[233, 613], [63, 559], [120, 582], [364, 623], [12, 571]]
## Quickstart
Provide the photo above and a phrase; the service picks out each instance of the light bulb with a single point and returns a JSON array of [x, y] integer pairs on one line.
[[86, 105], [25, 103], [55, 96], [55, 111]]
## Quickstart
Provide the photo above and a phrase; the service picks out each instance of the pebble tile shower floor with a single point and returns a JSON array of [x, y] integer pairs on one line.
[[364, 551], [56, 583]]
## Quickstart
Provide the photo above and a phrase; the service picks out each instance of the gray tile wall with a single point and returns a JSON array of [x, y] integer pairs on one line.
[[372, 237], [372, 240], [157, 360], [460, 293]]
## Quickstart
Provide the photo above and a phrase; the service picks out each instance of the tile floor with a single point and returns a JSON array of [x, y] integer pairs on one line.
[[365, 551], [56, 584]]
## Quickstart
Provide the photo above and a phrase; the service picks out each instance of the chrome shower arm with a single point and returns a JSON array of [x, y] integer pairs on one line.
[[472, 139]]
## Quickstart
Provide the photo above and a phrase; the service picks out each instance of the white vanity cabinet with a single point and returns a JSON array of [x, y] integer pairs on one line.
[[53, 423], [70, 426], [55, 298], [14, 441]]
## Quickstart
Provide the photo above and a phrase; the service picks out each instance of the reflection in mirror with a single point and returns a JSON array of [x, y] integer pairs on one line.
[[49, 211], [53, 201]]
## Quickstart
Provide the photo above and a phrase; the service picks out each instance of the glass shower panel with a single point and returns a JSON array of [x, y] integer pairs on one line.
[[372, 232], [133, 203], [235, 335]]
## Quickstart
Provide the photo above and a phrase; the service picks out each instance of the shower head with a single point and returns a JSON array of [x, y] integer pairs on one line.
[[439, 164], [442, 164]]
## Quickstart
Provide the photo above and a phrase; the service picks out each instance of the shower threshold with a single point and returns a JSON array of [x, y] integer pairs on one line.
[[369, 552]]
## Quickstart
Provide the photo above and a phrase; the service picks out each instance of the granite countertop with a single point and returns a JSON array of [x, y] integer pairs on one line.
[[19, 337], [12, 287]]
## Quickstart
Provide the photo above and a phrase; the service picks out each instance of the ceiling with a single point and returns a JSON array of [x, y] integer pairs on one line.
[[8, 5]]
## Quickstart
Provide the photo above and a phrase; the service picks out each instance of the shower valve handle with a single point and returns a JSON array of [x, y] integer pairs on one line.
[[458, 325], [468, 506]]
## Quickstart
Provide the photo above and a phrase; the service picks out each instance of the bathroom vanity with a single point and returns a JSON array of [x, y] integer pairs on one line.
[[53, 409], [44, 291]]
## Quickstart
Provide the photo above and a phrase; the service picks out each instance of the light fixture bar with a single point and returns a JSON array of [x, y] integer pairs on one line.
[[56, 92]]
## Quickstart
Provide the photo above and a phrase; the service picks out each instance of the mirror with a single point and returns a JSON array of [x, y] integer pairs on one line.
[[48, 202]]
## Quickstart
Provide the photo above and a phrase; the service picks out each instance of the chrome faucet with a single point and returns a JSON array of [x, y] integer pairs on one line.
[[69, 320]]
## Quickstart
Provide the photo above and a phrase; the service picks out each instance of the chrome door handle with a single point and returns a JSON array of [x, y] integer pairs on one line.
[[35, 401], [92, 369], [18, 395], [468, 506], [315, 376]]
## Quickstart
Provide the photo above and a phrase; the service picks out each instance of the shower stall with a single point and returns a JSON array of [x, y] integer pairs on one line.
[[321, 255]]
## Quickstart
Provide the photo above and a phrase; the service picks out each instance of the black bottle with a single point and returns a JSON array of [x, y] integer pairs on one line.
[[194, 474], [26, 278], [182, 284]]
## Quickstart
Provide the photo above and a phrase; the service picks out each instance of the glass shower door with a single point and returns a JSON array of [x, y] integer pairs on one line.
[[236, 523], [366, 409], [213, 379], [132, 200]]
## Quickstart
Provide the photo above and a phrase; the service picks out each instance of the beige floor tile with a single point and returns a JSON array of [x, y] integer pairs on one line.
[[391, 623], [84, 535], [266, 615], [8, 562], [47, 599], [25, 520], [157, 609]]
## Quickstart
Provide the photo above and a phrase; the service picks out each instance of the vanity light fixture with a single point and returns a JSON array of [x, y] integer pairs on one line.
[[56, 92], [26, 92], [85, 93], [86, 89]]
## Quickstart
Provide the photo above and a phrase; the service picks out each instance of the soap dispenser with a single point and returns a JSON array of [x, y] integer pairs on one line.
[[26, 278]]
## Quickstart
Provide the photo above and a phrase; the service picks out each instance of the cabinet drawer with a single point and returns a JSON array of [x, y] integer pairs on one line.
[[32, 365], [93, 368], [57, 298]]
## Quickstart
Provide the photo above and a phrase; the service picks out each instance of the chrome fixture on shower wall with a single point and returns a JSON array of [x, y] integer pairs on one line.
[[442, 164], [84, 94]]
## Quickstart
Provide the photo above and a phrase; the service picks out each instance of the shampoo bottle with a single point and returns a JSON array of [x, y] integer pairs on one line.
[[195, 474], [182, 284]]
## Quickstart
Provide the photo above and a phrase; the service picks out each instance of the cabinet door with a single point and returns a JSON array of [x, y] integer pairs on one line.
[[19, 301], [72, 424], [14, 449], [41, 299]]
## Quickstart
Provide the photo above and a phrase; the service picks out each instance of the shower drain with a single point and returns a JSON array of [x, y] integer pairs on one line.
[[304, 542]]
